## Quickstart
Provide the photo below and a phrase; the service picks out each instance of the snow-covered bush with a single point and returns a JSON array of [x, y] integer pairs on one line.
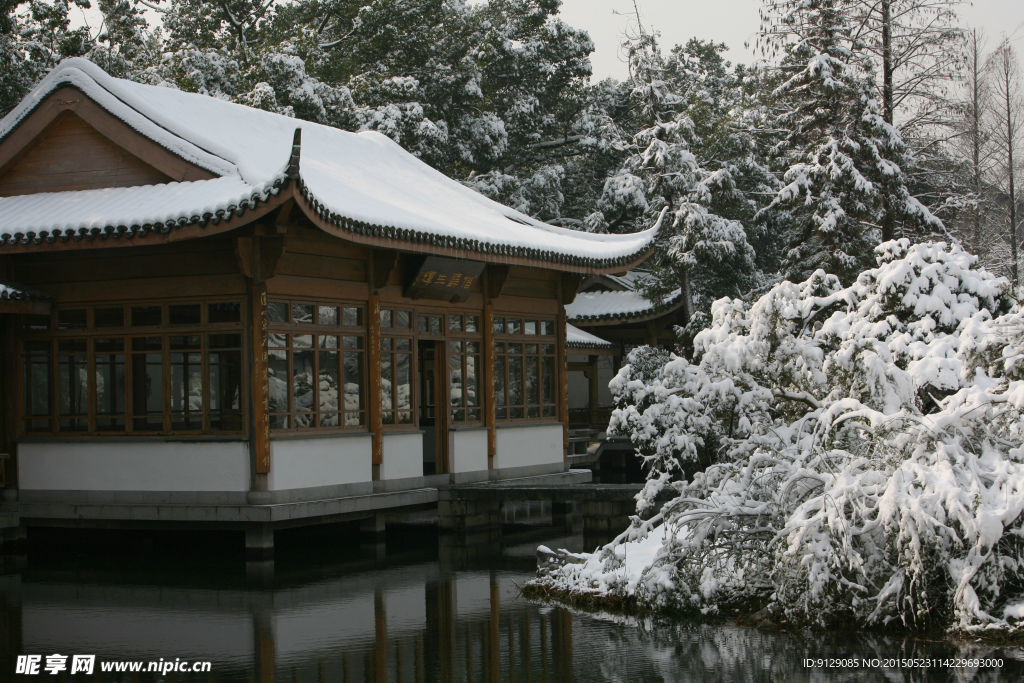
[[855, 455]]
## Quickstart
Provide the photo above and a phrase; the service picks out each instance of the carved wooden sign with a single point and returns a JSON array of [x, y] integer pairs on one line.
[[443, 278], [261, 379]]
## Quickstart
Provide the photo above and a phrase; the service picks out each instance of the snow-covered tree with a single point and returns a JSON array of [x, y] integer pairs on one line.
[[844, 186], [860, 453]]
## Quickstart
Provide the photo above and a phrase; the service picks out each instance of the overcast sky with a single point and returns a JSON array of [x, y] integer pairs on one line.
[[732, 22]]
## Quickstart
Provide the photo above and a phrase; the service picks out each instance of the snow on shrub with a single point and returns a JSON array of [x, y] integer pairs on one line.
[[838, 455]]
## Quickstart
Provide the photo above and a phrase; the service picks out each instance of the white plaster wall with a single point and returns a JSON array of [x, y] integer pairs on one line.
[[134, 466], [403, 456], [468, 450], [534, 445], [305, 463]]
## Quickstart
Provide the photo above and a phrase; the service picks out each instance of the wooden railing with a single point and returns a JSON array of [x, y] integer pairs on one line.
[[585, 418]]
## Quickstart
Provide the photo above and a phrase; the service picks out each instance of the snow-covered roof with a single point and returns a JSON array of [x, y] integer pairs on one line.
[[12, 291], [364, 184], [577, 338], [619, 305]]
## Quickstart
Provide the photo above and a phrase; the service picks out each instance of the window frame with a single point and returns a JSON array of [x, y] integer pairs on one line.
[[90, 333]]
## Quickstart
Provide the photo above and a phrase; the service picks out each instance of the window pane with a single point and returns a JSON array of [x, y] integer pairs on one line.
[[37, 377], [515, 348], [279, 422], [513, 326], [327, 341], [548, 380], [277, 378], [530, 327], [403, 344], [185, 343], [404, 417], [403, 320], [224, 341], [547, 328], [36, 323], [455, 323], [277, 312], [353, 387], [455, 386], [403, 381], [386, 382], [499, 380], [186, 391], [385, 318], [229, 312], [184, 314], [146, 316], [328, 383], [147, 387], [71, 320], [472, 323], [547, 349], [352, 316], [515, 381], [532, 381], [549, 411], [421, 323], [302, 341], [499, 325], [225, 390], [531, 349], [108, 317], [302, 382], [472, 392], [327, 315], [277, 340], [435, 324], [109, 378], [385, 343], [302, 314], [73, 391], [353, 342]]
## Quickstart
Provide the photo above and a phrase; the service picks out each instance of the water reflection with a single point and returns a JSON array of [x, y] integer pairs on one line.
[[428, 611]]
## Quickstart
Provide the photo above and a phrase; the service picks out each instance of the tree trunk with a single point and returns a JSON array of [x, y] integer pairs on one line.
[[888, 223]]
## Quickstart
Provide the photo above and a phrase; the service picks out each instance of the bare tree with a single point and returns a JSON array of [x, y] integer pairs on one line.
[[1007, 135]]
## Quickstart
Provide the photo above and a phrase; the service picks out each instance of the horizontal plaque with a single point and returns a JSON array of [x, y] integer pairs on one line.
[[447, 279]]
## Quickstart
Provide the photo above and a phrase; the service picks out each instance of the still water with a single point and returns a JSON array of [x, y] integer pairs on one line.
[[423, 608]]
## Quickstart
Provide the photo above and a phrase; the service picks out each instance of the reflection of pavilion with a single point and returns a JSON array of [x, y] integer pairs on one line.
[[408, 623]]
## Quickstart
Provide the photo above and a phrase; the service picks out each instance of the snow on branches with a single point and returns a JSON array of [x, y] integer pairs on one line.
[[840, 454]]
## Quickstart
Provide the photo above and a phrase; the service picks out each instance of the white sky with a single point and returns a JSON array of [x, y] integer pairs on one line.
[[732, 22]]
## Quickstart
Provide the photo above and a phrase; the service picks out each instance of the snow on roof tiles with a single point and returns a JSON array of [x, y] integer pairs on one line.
[[593, 306], [575, 337], [15, 292], [362, 182]]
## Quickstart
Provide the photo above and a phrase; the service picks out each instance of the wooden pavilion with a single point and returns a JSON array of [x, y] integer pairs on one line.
[[212, 305]]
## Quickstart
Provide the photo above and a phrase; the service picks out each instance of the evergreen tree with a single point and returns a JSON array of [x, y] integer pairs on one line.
[[844, 177]]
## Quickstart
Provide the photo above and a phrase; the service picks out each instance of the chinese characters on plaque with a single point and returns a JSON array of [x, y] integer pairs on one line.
[[447, 279]]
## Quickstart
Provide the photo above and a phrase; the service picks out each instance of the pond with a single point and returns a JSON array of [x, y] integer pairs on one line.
[[423, 608]]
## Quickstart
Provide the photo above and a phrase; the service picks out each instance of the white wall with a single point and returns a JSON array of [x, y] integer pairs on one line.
[[305, 463], [134, 466], [468, 450], [533, 445], [403, 456]]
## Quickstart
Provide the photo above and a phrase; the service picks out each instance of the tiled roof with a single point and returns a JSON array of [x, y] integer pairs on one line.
[[362, 184], [624, 305], [577, 338], [12, 291]]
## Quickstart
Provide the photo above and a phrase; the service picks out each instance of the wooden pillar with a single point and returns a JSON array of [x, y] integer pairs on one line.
[[488, 380], [9, 385], [260, 402], [563, 379], [375, 418]]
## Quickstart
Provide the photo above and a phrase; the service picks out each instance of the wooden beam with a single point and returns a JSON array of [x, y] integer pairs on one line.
[[495, 281], [384, 261], [25, 307], [568, 286]]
